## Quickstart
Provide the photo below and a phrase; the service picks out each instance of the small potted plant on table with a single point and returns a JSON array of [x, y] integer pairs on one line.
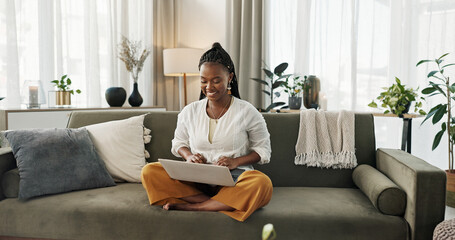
[[294, 89], [397, 99], [64, 92]]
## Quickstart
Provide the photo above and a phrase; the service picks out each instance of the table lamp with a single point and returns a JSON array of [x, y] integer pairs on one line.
[[178, 62]]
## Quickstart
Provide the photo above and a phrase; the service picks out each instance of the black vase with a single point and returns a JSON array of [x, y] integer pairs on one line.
[[115, 96], [135, 99]]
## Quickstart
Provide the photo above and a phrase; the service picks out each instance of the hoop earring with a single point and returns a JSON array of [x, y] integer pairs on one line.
[[229, 88]]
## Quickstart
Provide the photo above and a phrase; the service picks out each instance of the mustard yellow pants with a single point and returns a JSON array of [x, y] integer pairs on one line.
[[252, 191]]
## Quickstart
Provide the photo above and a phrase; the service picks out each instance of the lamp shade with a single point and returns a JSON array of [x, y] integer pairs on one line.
[[177, 61]]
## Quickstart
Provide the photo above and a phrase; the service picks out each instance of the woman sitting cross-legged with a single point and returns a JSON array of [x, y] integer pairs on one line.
[[220, 129]]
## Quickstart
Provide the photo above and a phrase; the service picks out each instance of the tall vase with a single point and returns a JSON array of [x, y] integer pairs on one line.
[[311, 92], [135, 99]]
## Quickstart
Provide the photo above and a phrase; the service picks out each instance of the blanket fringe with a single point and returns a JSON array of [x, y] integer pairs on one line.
[[341, 160]]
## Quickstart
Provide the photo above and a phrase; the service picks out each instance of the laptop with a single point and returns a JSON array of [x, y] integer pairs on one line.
[[200, 173]]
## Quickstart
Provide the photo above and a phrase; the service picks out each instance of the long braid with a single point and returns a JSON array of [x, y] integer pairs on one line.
[[218, 55]]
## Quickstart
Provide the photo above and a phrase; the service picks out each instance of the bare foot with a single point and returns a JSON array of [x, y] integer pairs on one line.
[[209, 205], [175, 206]]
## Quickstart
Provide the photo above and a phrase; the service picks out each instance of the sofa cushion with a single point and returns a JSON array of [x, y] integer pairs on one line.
[[315, 213], [385, 195], [120, 144], [10, 183], [55, 161]]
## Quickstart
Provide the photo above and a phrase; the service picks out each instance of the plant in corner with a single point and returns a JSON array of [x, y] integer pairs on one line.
[[274, 81], [443, 87], [397, 99], [131, 54], [64, 91]]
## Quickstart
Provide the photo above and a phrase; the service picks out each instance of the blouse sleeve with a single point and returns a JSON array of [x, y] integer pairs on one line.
[[181, 136], [258, 135]]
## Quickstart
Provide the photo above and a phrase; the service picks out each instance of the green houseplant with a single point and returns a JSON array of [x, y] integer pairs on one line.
[[273, 80], [397, 99], [64, 91], [443, 87], [294, 88]]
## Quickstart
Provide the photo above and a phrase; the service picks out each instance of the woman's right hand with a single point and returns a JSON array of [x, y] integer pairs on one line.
[[196, 158]]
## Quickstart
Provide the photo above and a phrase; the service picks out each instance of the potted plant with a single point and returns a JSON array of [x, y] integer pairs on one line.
[[397, 99], [64, 92], [294, 89], [443, 87], [273, 81]]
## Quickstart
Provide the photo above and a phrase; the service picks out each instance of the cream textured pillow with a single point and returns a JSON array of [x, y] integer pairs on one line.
[[120, 144]]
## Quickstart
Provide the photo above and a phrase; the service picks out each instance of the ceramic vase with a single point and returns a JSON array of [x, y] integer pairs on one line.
[[135, 99], [115, 96], [295, 102], [311, 88]]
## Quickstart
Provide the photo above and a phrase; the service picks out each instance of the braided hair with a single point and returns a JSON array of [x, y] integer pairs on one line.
[[218, 55]]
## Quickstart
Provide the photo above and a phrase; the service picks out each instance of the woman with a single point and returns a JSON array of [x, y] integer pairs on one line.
[[219, 129]]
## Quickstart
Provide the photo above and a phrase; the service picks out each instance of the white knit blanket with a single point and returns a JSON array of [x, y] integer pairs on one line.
[[326, 139]]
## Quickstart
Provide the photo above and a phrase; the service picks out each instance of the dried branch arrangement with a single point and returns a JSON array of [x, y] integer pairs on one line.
[[133, 56]]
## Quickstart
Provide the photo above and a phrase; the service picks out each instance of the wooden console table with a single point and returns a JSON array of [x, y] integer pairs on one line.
[[11, 119]]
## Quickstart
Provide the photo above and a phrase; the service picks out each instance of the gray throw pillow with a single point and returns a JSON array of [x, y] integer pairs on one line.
[[55, 161]]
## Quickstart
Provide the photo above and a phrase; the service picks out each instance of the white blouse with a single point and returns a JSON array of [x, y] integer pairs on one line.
[[239, 131]]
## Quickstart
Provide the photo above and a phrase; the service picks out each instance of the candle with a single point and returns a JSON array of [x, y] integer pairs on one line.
[[33, 96], [323, 101]]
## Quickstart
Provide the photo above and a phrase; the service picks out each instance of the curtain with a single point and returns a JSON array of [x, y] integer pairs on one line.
[[47, 39], [357, 47], [165, 88], [244, 31]]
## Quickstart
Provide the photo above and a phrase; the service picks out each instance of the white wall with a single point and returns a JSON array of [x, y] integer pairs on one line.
[[199, 24]]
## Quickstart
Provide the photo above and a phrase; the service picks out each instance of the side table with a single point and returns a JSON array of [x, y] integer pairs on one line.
[[407, 128]]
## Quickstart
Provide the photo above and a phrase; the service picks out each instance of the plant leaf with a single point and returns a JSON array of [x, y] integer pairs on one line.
[[447, 65], [428, 90], [439, 114], [277, 84], [431, 113], [266, 92], [281, 68], [277, 94], [423, 61], [268, 73], [284, 76], [430, 74], [445, 54], [63, 77], [373, 105], [437, 139], [260, 81]]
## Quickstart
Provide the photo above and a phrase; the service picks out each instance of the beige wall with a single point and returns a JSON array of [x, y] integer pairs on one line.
[[199, 24]]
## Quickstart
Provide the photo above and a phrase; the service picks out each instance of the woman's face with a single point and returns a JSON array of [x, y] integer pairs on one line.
[[214, 80]]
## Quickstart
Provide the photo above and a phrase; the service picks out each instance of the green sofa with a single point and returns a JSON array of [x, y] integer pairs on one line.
[[307, 202]]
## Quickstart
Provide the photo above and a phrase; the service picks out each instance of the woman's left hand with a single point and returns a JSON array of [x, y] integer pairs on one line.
[[231, 163]]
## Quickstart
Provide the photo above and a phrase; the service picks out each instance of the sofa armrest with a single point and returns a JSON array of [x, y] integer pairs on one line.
[[7, 162], [425, 187]]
